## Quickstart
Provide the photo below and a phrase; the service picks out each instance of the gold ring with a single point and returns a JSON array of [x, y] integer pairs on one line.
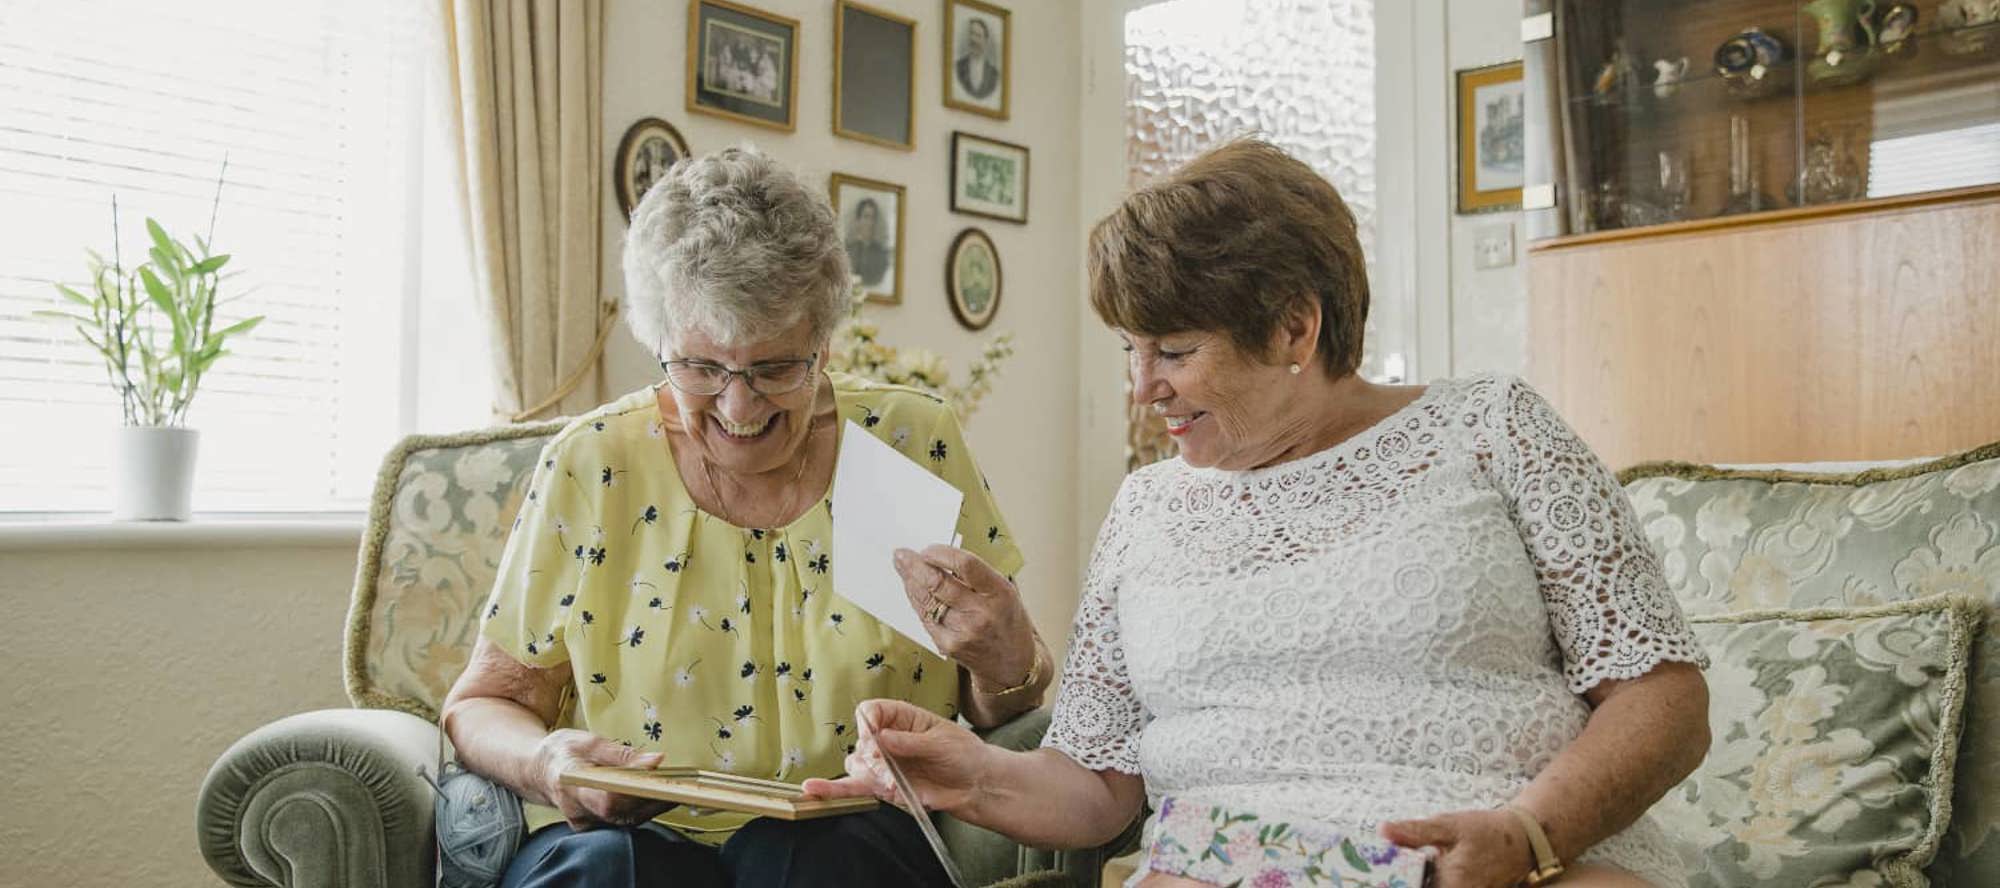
[[938, 611]]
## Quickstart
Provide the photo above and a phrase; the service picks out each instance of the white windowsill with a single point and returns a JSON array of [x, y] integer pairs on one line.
[[96, 530]]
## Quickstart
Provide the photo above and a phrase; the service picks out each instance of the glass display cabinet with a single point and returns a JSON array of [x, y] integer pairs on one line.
[[1649, 113]]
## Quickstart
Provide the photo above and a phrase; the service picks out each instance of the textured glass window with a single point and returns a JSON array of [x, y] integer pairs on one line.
[[1300, 73]]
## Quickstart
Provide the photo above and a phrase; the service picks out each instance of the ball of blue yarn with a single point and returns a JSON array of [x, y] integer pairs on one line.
[[479, 827]]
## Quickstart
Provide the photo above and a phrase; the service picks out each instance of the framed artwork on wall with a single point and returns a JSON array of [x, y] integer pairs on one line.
[[972, 278], [874, 76], [978, 53], [989, 178], [1491, 143], [871, 227], [648, 149], [742, 63]]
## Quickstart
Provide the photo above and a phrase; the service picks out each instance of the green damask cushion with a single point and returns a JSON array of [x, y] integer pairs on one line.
[[1732, 541], [442, 509], [1835, 732]]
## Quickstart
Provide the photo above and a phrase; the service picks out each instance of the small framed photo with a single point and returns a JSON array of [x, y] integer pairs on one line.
[[743, 64], [1492, 105], [874, 76], [648, 149], [871, 226], [972, 278], [989, 178], [978, 49]]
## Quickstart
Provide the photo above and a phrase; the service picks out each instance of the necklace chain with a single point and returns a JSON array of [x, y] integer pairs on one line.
[[791, 501]]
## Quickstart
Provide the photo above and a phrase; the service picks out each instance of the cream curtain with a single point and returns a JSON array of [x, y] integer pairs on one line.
[[527, 77]]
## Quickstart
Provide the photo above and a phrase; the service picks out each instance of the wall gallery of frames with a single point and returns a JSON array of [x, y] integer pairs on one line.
[[743, 65]]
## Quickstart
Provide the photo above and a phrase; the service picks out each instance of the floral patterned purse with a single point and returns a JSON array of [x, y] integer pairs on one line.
[[1213, 844]]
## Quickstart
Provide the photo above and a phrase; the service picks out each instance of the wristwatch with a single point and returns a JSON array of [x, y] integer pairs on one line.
[[1034, 674], [1547, 867]]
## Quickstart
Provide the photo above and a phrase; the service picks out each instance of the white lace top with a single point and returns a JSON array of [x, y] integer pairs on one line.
[[1395, 627]]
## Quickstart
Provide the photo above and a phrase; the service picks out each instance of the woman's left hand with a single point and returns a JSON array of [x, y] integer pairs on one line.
[[1475, 849], [973, 613]]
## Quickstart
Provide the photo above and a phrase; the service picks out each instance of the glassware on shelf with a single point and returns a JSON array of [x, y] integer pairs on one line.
[[1667, 77], [1829, 174], [1744, 195]]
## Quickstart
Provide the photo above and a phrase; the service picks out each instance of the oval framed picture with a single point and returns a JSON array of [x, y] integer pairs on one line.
[[972, 278], [648, 149]]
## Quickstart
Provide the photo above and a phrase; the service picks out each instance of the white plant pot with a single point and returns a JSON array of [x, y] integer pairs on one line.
[[152, 476]]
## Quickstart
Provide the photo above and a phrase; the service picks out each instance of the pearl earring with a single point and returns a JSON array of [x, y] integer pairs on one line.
[[1295, 369]]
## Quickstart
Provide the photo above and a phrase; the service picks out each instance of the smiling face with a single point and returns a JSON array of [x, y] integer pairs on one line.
[[1227, 409], [739, 430]]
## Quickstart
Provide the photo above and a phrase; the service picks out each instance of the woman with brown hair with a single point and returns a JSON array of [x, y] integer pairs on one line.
[[1419, 615]]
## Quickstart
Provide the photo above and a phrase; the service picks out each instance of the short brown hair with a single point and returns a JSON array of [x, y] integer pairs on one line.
[[1236, 240]]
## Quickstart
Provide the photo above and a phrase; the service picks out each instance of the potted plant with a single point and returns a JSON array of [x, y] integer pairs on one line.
[[857, 349], [156, 326]]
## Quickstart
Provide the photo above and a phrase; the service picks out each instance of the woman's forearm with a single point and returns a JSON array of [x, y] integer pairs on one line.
[[1045, 799], [500, 739], [985, 709], [1642, 740]]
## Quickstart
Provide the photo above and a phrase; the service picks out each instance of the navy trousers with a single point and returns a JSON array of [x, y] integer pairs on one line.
[[883, 847]]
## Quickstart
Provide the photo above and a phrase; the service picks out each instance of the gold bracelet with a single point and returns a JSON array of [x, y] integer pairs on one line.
[[1034, 675], [1546, 868]]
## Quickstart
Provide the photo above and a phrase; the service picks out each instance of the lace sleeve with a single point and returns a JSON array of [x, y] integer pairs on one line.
[[1097, 715], [1609, 606]]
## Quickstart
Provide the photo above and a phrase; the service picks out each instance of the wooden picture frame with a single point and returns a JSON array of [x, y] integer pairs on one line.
[[874, 87], [1491, 147], [648, 149], [989, 178], [878, 265], [978, 87], [974, 298], [729, 64]]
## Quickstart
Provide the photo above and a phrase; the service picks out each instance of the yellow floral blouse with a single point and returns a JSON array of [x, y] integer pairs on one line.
[[722, 647]]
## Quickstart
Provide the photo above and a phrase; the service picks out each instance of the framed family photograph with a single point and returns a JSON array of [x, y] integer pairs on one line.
[[972, 278], [1491, 140], [874, 76], [648, 149], [871, 226], [989, 178], [742, 63], [978, 49]]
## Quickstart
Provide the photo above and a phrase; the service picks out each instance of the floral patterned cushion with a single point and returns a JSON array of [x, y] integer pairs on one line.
[[1834, 730], [442, 510], [1734, 541]]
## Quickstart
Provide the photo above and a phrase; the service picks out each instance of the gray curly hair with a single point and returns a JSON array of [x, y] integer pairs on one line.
[[732, 245]]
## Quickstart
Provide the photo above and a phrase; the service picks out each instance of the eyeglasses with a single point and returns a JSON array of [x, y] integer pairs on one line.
[[706, 379]]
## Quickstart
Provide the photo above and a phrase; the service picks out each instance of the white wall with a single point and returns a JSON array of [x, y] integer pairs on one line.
[[1023, 432], [1489, 307], [128, 672]]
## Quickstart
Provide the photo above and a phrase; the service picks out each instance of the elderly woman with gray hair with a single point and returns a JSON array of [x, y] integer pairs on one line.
[[666, 595]]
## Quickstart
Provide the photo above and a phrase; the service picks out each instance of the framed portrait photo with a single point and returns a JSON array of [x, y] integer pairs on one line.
[[743, 64], [972, 278], [871, 227], [648, 149], [1491, 146], [989, 178], [874, 76], [978, 49]]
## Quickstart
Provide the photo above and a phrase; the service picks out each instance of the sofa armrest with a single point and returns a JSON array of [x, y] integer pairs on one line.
[[328, 798], [986, 857]]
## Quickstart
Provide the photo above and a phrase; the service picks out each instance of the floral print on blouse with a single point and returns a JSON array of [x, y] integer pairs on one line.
[[721, 647]]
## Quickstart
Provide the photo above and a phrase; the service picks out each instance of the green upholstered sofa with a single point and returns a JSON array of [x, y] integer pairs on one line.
[[337, 798]]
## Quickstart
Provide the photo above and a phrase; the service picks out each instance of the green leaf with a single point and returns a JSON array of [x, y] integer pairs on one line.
[[72, 295], [210, 265], [52, 314], [243, 326], [202, 365], [162, 297], [160, 238], [1353, 857]]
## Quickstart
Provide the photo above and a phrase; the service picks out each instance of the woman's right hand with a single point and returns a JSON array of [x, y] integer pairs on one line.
[[587, 808], [944, 762]]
